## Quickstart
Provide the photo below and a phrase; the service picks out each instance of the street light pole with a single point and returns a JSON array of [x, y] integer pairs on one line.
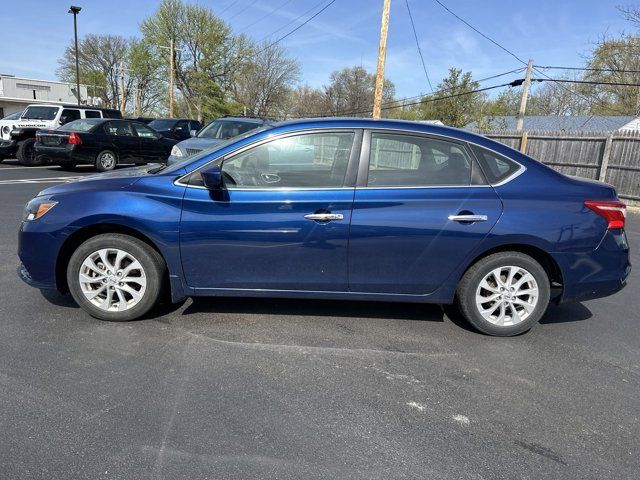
[[76, 10]]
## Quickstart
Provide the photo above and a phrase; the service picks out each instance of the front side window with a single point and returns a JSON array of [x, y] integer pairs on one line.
[[313, 160], [144, 131], [69, 115], [223, 129], [399, 160], [118, 129]]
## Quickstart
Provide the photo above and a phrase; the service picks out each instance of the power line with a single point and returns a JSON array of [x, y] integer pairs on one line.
[[427, 100], [242, 10], [294, 20], [586, 82], [588, 69], [584, 97], [415, 35], [275, 10], [232, 4]]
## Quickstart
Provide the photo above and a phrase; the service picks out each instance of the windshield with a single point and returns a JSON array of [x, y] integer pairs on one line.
[[218, 146], [81, 125], [162, 124], [40, 113], [13, 116], [223, 129]]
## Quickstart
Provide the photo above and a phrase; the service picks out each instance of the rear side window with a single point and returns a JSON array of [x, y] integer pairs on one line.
[[494, 166], [398, 160], [118, 129], [92, 114]]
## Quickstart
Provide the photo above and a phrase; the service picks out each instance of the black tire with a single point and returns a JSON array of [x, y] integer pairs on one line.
[[67, 165], [468, 286], [151, 261], [26, 154], [106, 161]]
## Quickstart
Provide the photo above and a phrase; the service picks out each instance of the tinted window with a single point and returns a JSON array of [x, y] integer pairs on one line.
[[162, 124], [223, 129], [80, 125], [144, 131], [195, 125], [310, 160], [494, 166], [69, 115], [398, 160], [92, 114], [118, 129], [40, 113]]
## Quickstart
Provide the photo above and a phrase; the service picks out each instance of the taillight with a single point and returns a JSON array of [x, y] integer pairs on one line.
[[615, 213], [74, 139]]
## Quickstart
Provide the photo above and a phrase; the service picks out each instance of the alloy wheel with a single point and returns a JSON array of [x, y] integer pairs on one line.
[[107, 160], [507, 295], [112, 279]]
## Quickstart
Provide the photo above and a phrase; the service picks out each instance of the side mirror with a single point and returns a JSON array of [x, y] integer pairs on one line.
[[193, 133], [212, 177]]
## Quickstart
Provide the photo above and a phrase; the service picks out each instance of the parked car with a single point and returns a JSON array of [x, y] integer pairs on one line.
[[176, 128], [145, 120], [214, 133], [19, 141], [388, 210], [104, 143]]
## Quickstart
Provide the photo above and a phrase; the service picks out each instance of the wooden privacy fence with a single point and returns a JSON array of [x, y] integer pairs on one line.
[[612, 157]]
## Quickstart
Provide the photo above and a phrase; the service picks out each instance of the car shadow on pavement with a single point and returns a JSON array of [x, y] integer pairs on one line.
[[317, 308], [569, 312]]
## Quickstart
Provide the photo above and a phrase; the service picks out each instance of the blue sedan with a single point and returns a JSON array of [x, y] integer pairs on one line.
[[351, 209]]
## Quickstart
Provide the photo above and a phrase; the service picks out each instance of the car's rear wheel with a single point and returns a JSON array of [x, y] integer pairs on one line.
[[26, 153], [106, 160], [504, 294], [115, 277]]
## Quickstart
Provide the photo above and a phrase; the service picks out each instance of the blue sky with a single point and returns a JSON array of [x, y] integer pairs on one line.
[[35, 32]]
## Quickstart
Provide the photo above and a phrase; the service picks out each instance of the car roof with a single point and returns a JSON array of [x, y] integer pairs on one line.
[[65, 105], [243, 119]]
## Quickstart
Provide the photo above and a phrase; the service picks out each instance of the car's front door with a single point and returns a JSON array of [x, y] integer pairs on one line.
[[420, 207], [151, 148], [281, 222]]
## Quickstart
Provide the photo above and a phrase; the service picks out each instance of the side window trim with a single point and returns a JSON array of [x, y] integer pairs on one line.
[[352, 166], [363, 169]]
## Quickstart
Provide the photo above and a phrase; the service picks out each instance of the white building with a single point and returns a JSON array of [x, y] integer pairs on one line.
[[17, 92]]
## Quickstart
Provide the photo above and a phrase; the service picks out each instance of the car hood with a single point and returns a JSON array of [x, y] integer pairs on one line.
[[115, 180], [196, 142]]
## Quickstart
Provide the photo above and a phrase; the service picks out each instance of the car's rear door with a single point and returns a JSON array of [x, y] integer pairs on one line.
[[420, 206], [123, 139], [152, 149], [282, 221]]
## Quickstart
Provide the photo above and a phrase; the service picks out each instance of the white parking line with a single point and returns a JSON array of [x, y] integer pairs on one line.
[[11, 167], [20, 181]]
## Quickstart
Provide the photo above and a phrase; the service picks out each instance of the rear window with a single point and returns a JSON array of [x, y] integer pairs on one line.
[[494, 166], [80, 125]]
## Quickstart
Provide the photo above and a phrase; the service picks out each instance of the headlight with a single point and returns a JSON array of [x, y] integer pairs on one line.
[[36, 208], [175, 151]]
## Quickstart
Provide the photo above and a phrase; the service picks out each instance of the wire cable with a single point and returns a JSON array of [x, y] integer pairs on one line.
[[275, 10], [588, 69], [415, 35], [242, 10]]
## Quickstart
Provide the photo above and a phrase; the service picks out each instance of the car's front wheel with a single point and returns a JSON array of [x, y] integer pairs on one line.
[[504, 294], [115, 277]]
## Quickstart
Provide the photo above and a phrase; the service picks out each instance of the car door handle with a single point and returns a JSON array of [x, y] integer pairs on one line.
[[324, 217], [468, 218]]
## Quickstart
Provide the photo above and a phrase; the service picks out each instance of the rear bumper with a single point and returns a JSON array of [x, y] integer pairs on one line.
[[62, 154], [599, 273]]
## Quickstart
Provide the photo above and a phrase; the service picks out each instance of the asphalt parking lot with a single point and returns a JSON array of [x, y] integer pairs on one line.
[[239, 389]]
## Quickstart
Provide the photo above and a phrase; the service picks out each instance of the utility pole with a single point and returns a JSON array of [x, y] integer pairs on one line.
[[172, 53], [382, 53], [123, 104], [523, 96], [76, 10]]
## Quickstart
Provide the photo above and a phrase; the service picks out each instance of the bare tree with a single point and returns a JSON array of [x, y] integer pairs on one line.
[[263, 84], [351, 92], [100, 58]]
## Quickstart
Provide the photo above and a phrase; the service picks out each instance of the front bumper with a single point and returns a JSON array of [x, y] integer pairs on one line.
[[596, 274], [8, 148], [38, 251]]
